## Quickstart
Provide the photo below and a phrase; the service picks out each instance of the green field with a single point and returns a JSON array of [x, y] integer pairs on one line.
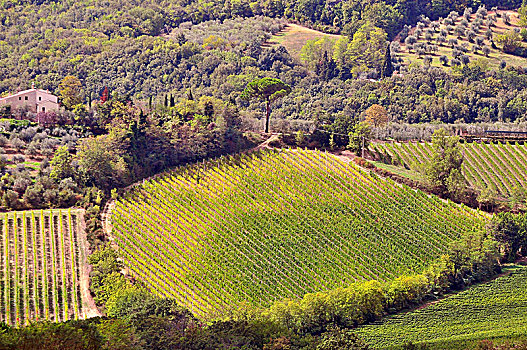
[[495, 310], [294, 37], [398, 170], [266, 226], [43, 267], [501, 166]]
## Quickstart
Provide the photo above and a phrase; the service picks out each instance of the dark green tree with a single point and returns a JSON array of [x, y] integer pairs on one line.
[[387, 66], [267, 89], [359, 138], [443, 170], [61, 164], [327, 68], [511, 231]]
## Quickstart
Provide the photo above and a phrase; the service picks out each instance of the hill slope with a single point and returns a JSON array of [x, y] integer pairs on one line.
[[497, 309], [293, 37], [277, 224], [499, 166], [447, 48]]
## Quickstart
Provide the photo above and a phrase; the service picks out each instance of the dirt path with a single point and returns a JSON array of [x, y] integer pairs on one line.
[[89, 308], [265, 144], [106, 219], [345, 156]]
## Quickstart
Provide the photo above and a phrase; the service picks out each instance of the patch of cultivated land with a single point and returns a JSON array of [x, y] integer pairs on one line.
[[499, 166], [495, 310], [293, 37], [494, 58], [269, 225], [43, 274]]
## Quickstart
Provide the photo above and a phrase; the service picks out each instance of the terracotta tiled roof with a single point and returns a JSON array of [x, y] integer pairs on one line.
[[25, 92]]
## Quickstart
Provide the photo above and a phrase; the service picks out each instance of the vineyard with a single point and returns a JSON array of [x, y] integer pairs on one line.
[[43, 267], [277, 224], [499, 166], [494, 310]]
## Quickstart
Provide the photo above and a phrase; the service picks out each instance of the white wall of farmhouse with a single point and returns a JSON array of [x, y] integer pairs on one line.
[[36, 100]]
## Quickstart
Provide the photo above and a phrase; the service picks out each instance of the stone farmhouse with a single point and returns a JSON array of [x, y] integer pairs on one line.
[[35, 100]]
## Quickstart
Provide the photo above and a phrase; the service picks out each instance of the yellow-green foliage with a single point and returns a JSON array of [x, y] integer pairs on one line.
[[278, 224], [494, 310], [498, 167], [472, 258]]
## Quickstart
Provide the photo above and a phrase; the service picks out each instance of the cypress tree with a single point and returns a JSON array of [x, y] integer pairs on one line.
[[332, 70], [166, 100], [387, 67]]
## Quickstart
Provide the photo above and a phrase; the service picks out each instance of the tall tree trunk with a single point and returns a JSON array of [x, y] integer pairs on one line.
[[267, 115]]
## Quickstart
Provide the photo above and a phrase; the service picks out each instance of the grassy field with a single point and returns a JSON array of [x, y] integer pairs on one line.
[[494, 58], [495, 310], [295, 36], [43, 272], [499, 166], [398, 170], [266, 226]]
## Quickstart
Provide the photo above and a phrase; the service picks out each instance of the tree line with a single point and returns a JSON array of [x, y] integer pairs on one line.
[[321, 321]]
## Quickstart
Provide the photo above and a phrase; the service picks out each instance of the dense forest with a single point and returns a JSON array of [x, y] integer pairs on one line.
[[148, 50]]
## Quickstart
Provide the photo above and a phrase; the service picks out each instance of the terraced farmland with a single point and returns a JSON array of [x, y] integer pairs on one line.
[[277, 224], [502, 166], [42, 273], [494, 310]]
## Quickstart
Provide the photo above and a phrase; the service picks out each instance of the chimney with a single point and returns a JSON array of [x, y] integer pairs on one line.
[[33, 85]]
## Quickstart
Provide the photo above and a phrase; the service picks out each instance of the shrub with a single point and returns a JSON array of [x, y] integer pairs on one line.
[[28, 134], [3, 140], [32, 149], [18, 158], [21, 184], [18, 144], [40, 136]]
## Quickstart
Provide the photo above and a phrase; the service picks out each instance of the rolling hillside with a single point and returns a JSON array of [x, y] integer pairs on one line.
[[430, 38], [43, 267], [499, 166], [275, 224], [494, 310]]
